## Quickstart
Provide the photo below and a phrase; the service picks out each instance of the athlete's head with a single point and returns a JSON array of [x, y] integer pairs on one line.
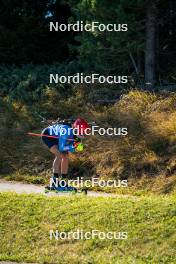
[[80, 126]]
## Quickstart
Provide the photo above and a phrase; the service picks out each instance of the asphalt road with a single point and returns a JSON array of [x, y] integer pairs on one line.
[[20, 188]]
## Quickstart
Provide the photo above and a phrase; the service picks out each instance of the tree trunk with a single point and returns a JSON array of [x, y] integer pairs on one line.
[[150, 52]]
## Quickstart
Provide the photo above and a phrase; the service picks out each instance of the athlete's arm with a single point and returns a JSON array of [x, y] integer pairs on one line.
[[63, 143]]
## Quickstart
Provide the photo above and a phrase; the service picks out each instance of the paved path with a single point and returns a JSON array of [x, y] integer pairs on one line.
[[18, 187]]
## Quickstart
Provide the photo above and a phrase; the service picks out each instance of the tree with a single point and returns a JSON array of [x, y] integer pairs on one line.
[[24, 32], [150, 52], [146, 51], [110, 52]]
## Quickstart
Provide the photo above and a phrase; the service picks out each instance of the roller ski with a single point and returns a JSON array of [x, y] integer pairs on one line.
[[57, 188]]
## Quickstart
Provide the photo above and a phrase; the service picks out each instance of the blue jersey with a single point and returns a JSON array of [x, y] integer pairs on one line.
[[65, 136]]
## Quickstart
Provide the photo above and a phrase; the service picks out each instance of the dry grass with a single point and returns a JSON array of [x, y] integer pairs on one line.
[[148, 150]]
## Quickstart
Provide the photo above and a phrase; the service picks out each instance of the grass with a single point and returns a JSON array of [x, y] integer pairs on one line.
[[148, 152], [146, 157], [25, 222]]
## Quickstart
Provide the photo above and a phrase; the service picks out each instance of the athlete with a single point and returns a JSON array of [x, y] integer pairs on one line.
[[61, 139]]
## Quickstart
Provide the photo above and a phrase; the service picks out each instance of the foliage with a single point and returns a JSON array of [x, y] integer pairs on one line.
[[124, 53], [19, 83], [25, 35], [102, 51]]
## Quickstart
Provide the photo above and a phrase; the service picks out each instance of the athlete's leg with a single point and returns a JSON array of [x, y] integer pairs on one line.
[[64, 163], [57, 160], [60, 166]]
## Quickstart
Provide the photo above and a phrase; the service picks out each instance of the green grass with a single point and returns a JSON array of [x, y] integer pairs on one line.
[[25, 222]]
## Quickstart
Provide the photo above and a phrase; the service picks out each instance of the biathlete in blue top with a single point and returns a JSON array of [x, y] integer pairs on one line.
[[61, 139]]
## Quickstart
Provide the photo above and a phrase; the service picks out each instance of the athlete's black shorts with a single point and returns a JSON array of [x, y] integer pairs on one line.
[[50, 142]]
